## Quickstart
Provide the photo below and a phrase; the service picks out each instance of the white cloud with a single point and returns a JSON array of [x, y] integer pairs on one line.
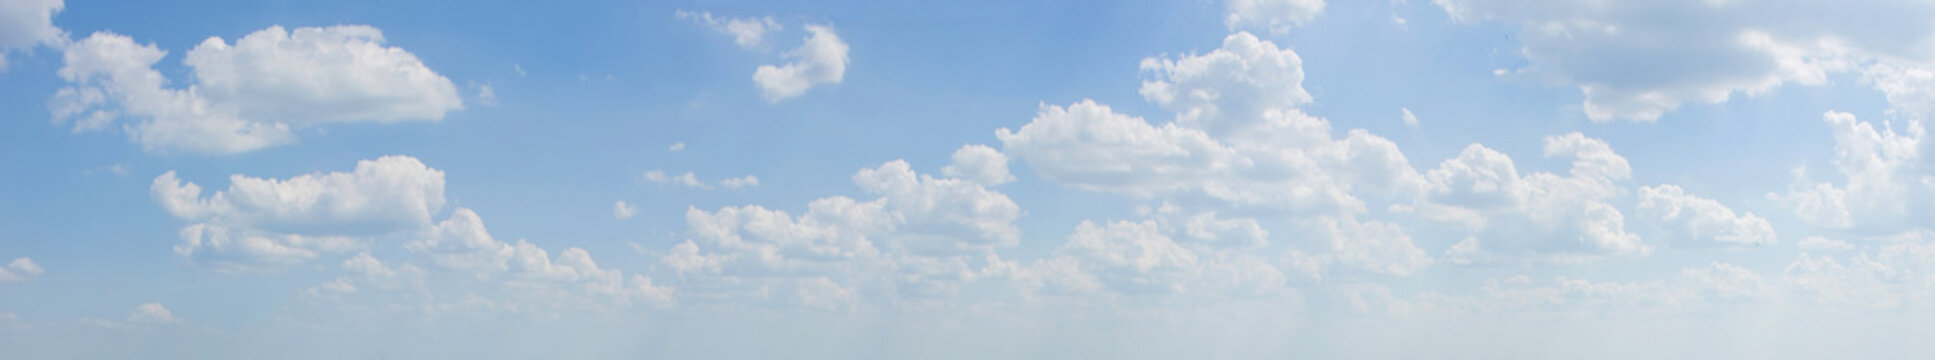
[[690, 180], [463, 243], [676, 147], [740, 182], [1236, 85], [1639, 60], [259, 221], [20, 269], [1895, 276], [26, 24], [486, 96], [152, 313], [621, 210], [1884, 187], [1409, 118], [1235, 142], [687, 179], [979, 163], [249, 95], [920, 236], [1276, 16], [821, 60], [1546, 215], [749, 33], [1130, 256], [1702, 220], [1375, 247]]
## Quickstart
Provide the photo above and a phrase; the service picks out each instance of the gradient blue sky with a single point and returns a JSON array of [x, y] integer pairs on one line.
[[995, 179]]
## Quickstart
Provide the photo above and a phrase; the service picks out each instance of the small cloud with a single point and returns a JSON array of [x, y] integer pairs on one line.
[[676, 147], [486, 96], [519, 68], [687, 179], [1409, 118], [152, 313], [748, 33], [21, 269], [740, 182], [622, 210]]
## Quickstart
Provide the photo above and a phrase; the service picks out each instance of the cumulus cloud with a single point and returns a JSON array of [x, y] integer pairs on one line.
[[1235, 85], [27, 24], [1541, 214], [463, 243], [1884, 187], [921, 235], [258, 221], [1639, 60], [821, 60], [1275, 16], [1236, 141], [1701, 220], [251, 94], [979, 163], [20, 269]]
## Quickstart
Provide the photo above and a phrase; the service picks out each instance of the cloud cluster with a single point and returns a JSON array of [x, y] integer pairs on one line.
[[265, 224], [249, 95]]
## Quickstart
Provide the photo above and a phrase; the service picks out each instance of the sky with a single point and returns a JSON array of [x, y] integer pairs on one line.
[[1213, 179]]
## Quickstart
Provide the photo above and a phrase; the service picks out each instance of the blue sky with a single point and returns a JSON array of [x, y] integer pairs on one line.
[[999, 179]]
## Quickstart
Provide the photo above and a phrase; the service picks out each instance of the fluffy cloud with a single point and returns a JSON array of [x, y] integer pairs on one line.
[[1375, 247], [249, 95], [921, 235], [1702, 220], [1225, 89], [1235, 141], [1276, 16], [1637, 60], [382, 195], [1130, 256], [26, 24], [463, 243], [749, 33], [20, 269], [1541, 214], [821, 60], [1885, 188], [979, 163], [259, 221]]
